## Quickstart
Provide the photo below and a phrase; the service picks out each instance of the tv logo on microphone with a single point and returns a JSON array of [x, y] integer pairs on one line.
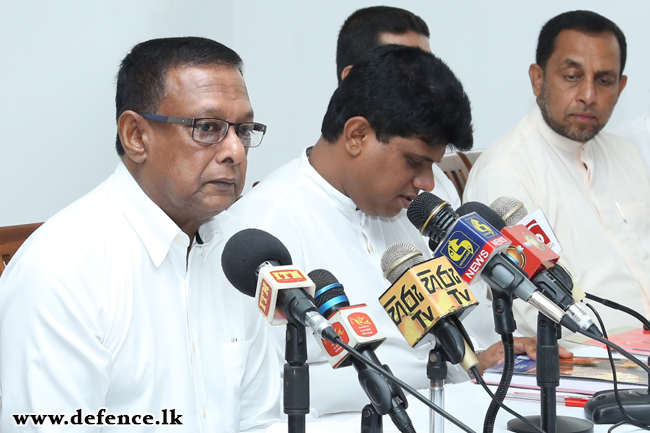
[[461, 249], [423, 295], [288, 276], [485, 229], [264, 301]]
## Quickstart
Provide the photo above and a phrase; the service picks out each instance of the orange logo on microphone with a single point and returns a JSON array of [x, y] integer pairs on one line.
[[288, 276], [334, 349], [362, 324], [264, 302]]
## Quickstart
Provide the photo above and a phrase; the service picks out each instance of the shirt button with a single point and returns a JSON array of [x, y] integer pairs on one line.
[[203, 412], [370, 248], [201, 250], [179, 239], [193, 347]]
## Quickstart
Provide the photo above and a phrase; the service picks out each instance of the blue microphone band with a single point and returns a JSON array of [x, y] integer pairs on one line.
[[332, 302], [326, 288]]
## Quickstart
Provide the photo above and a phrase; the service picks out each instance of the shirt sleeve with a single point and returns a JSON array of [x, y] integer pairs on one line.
[[51, 356]]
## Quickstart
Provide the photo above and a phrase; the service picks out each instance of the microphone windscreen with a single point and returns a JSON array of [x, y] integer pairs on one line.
[[488, 214], [245, 251], [398, 258], [420, 209], [509, 209]]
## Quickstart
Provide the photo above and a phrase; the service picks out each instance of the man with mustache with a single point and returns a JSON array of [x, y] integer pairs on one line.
[[590, 184]]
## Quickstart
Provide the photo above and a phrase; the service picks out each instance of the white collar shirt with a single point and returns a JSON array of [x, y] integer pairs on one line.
[[638, 132], [323, 229], [595, 195], [100, 309]]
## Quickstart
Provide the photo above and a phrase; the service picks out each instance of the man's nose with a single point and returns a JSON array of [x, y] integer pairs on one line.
[[424, 180], [587, 91], [231, 149]]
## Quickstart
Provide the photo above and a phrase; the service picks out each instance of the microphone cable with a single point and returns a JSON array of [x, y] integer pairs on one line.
[[423, 399], [378, 369], [506, 377], [631, 420], [617, 306], [480, 380]]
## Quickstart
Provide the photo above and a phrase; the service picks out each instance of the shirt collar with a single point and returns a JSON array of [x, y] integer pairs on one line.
[[343, 203], [552, 137], [156, 230]]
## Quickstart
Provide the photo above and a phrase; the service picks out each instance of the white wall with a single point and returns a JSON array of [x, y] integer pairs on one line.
[[60, 58]]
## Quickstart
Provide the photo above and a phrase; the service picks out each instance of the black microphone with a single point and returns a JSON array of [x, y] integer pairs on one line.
[[550, 278], [252, 252], [482, 255], [385, 397]]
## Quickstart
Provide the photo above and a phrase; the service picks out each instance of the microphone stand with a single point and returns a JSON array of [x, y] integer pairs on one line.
[[296, 378], [436, 372], [371, 420], [548, 379]]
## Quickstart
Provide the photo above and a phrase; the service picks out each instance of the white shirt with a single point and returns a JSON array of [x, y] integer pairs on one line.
[[98, 310], [323, 229], [638, 132], [580, 188]]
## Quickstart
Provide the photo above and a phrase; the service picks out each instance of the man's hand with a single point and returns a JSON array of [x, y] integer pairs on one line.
[[523, 346]]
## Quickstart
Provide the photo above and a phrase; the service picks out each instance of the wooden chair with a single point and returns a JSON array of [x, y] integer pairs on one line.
[[457, 165], [11, 238]]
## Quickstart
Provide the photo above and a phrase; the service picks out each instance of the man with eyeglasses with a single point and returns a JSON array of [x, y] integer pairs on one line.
[[110, 314]]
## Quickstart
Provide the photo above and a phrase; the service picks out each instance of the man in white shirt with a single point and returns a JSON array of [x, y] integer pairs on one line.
[[110, 314], [342, 202], [590, 184], [373, 26]]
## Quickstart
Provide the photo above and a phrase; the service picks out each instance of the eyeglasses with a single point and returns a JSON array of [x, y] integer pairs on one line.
[[208, 130]]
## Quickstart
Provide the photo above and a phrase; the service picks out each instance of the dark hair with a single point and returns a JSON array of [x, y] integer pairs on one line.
[[360, 32], [143, 72], [406, 92], [587, 22]]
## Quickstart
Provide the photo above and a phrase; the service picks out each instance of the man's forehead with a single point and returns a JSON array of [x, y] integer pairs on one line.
[[409, 39], [575, 48], [205, 78]]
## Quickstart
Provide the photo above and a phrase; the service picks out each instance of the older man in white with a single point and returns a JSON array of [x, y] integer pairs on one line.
[[590, 184]]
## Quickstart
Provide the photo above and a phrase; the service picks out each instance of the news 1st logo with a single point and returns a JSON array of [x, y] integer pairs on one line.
[[264, 298], [288, 276]]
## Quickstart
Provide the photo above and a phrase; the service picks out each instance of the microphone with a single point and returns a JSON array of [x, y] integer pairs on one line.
[[259, 265], [475, 247], [514, 212], [356, 327], [426, 299], [549, 276], [354, 324]]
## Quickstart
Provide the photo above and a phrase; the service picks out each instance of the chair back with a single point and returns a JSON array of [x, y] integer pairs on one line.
[[11, 238], [457, 165]]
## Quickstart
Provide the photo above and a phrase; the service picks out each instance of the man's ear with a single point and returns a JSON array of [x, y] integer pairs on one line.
[[345, 72], [356, 134], [134, 132], [536, 74], [622, 84]]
